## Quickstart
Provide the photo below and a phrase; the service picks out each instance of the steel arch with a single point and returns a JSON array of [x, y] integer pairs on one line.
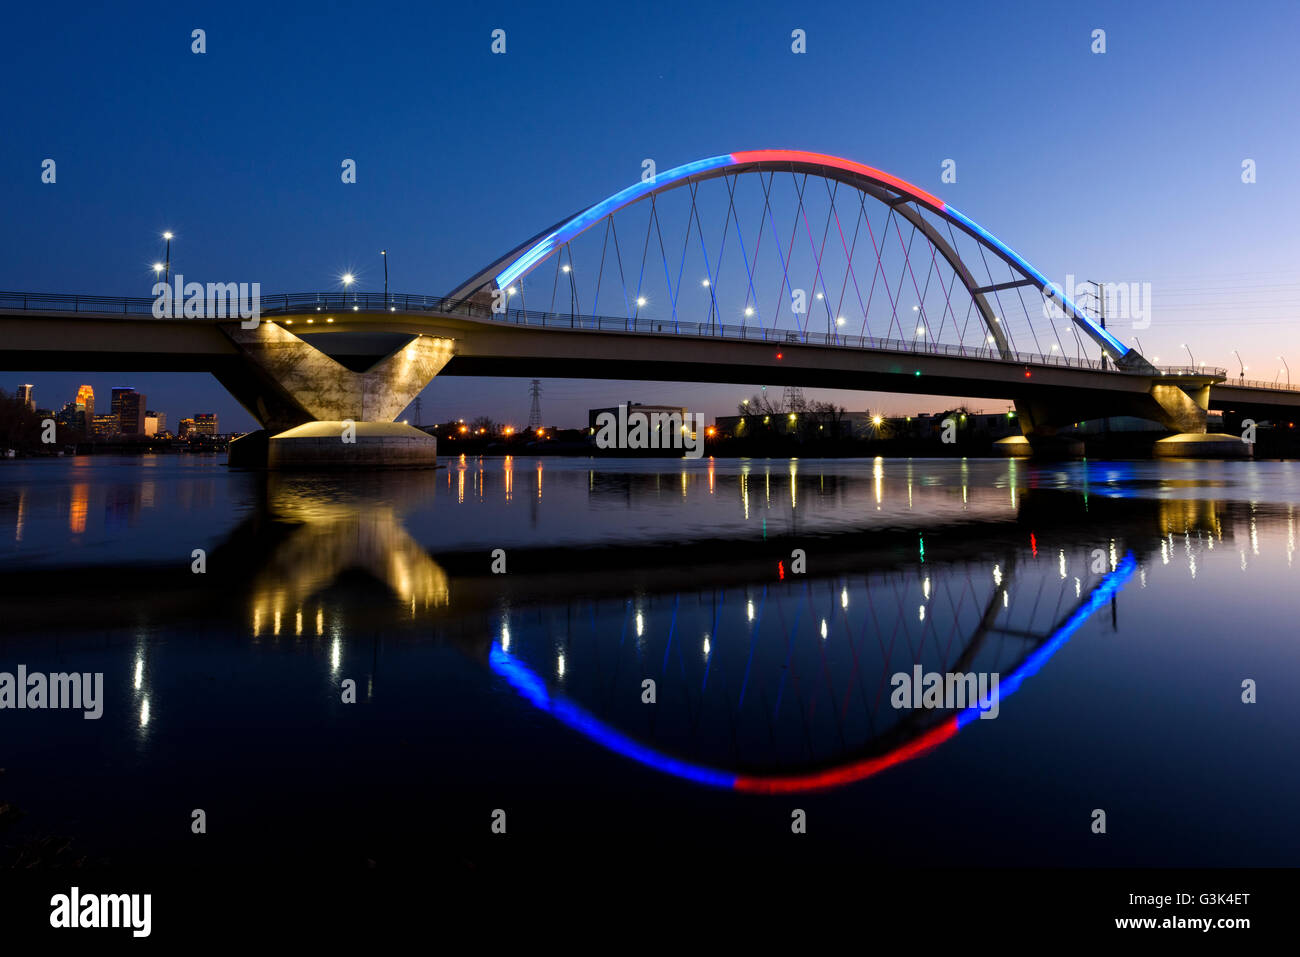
[[884, 187]]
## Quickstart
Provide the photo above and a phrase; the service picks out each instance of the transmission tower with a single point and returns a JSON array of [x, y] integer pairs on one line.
[[535, 411], [793, 397]]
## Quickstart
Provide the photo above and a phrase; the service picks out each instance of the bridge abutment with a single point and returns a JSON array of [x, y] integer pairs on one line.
[[318, 413]]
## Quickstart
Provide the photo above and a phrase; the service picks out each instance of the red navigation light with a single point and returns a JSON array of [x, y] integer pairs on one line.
[[1033, 544], [1028, 373], [780, 570], [780, 355]]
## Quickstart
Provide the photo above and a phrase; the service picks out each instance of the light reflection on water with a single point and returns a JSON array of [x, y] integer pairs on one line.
[[675, 572]]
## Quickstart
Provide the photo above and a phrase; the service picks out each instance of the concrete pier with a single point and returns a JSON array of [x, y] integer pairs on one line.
[[1042, 447], [336, 445], [1203, 445]]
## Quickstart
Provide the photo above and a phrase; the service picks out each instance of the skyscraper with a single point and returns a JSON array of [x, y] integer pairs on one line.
[[205, 423], [79, 414], [86, 410], [25, 396], [130, 411], [106, 425]]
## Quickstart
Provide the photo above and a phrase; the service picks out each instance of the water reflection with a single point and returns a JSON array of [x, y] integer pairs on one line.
[[766, 680]]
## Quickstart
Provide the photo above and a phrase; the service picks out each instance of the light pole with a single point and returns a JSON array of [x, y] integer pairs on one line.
[[567, 269], [1190, 356], [168, 236], [1101, 310], [347, 279], [1288, 372], [384, 253], [1240, 363], [157, 271]]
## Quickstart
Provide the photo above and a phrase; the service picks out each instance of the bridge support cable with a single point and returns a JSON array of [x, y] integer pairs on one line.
[[754, 191], [750, 295]]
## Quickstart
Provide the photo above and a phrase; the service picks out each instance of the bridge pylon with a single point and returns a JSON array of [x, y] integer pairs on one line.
[[318, 413]]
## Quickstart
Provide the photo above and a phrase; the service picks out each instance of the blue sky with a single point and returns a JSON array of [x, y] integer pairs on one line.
[[1124, 166]]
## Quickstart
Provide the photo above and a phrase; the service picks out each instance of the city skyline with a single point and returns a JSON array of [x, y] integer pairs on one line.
[[26, 392]]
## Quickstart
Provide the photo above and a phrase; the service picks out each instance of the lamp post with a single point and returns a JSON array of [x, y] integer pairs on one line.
[[1240, 363], [567, 269], [384, 253], [1288, 372], [347, 279], [1101, 310], [1190, 356], [168, 236]]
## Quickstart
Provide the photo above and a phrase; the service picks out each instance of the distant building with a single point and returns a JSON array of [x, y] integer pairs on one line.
[[656, 440], [857, 425], [25, 396], [647, 410], [86, 403], [79, 414], [928, 425], [155, 423], [130, 411], [185, 428], [205, 423], [1120, 423], [106, 425]]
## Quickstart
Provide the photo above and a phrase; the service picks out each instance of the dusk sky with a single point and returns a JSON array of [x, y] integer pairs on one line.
[[1124, 166]]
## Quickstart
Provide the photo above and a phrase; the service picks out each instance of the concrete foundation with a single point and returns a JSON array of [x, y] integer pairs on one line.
[[337, 445], [1042, 447], [1202, 445], [1013, 446]]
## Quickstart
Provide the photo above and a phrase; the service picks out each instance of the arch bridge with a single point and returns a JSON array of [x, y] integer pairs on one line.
[[773, 266]]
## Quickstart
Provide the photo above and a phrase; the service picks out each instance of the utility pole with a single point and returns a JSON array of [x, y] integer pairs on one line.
[[535, 411], [1101, 309]]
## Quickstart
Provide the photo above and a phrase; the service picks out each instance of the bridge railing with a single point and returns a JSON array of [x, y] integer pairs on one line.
[[1260, 384], [342, 302], [53, 302], [1214, 371], [779, 337]]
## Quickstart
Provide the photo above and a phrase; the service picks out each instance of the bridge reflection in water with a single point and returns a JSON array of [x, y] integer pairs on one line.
[[805, 692], [765, 681]]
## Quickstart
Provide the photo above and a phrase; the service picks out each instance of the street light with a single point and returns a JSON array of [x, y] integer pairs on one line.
[[1288, 372], [384, 253], [347, 279], [1190, 356], [168, 236], [157, 270]]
